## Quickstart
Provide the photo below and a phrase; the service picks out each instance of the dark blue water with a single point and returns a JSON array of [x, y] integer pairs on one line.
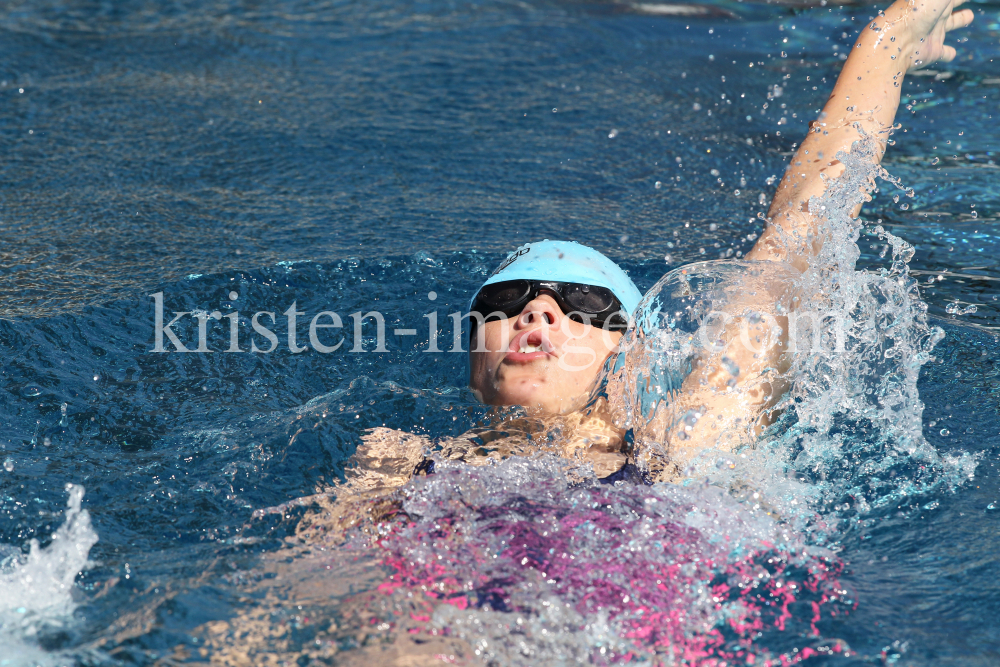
[[356, 156]]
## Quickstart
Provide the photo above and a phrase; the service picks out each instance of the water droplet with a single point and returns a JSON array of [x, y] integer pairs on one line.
[[8, 465], [233, 296], [945, 432], [991, 506], [612, 134], [712, 227], [668, 258], [658, 185], [955, 308], [30, 391]]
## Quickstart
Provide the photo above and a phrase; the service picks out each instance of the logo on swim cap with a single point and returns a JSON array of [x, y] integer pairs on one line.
[[510, 259]]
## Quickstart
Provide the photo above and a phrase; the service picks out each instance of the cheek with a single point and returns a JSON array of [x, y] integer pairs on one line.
[[479, 378], [588, 350], [605, 342], [490, 339], [479, 369], [483, 369]]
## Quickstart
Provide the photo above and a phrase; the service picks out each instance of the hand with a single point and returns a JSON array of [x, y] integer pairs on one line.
[[923, 25]]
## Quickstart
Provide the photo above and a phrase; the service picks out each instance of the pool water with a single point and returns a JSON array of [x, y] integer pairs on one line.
[[348, 157]]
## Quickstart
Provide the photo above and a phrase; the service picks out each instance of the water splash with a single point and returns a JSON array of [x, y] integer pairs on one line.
[[850, 421], [529, 561], [701, 333], [36, 599], [858, 414]]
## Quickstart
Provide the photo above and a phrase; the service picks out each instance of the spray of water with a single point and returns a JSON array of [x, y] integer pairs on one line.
[[36, 590], [850, 347], [530, 561]]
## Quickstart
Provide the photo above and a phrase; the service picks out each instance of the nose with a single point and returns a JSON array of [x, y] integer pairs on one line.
[[541, 310]]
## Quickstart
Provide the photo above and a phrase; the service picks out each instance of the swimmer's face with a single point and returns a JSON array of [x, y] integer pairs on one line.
[[541, 359]]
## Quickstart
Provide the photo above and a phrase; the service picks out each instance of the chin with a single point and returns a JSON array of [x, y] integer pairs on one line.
[[538, 397], [537, 389], [527, 392]]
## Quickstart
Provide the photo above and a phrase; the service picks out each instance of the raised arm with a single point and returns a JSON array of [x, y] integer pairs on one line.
[[721, 409], [908, 35]]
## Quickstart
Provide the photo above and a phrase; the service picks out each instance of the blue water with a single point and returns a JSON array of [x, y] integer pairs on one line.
[[356, 156]]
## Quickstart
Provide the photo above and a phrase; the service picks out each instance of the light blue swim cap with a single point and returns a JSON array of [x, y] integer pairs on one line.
[[567, 262]]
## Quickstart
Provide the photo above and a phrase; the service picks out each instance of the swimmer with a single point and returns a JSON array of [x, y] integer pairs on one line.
[[546, 325]]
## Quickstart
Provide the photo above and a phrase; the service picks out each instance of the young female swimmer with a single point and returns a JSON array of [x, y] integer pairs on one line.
[[532, 344]]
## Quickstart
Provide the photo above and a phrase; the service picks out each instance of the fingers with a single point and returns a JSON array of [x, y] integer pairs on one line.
[[948, 54], [959, 20]]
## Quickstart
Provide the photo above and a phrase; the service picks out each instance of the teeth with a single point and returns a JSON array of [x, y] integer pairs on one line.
[[526, 349]]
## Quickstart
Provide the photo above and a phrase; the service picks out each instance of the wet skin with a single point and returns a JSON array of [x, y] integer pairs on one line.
[[540, 359]]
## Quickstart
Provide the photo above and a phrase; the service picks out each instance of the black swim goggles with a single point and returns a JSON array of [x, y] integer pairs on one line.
[[582, 303]]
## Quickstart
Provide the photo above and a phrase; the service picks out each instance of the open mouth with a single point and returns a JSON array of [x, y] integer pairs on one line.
[[529, 345]]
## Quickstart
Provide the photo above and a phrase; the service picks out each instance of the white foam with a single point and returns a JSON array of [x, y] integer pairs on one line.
[[36, 590]]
